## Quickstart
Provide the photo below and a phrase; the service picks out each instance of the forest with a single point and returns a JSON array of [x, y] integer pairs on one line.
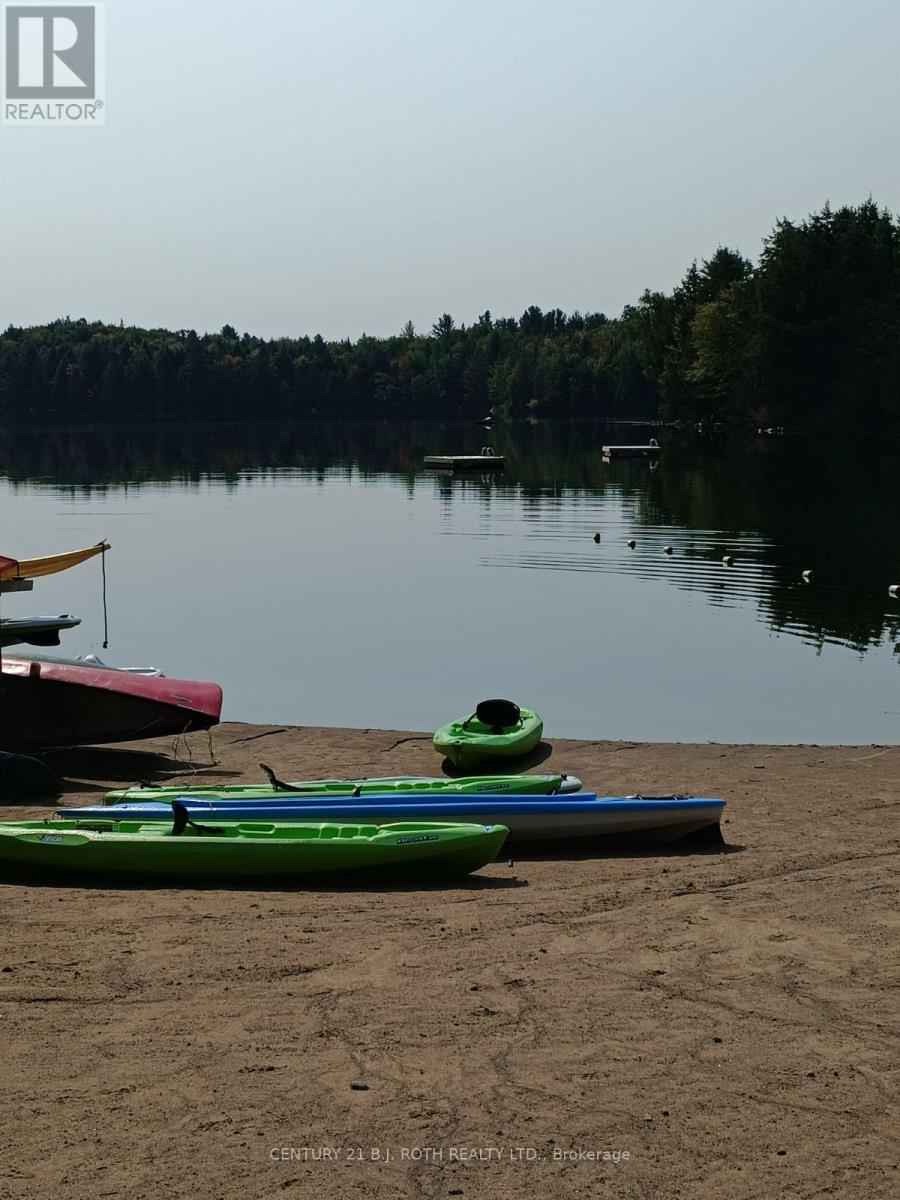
[[807, 337]]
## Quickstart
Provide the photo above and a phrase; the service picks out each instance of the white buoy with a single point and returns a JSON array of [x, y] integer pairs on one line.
[[727, 560], [631, 543], [667, 549], [807, 576], [894, 591]]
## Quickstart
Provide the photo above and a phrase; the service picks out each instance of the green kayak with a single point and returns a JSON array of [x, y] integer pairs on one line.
[[247, 850], [476, 785], [497, 729]]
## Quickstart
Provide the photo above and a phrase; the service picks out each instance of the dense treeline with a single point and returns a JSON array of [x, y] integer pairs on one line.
[[809, 335]]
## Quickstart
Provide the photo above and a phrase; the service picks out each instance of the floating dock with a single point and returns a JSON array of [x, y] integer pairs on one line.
[[649, 451], [466, 462]]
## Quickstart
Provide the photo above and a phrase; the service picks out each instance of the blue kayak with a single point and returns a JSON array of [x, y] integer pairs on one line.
[[529, 818]]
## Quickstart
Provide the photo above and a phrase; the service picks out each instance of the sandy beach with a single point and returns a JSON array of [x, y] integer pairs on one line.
[[675, 1023]]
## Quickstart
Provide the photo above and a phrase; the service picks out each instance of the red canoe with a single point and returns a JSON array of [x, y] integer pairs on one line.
[[45, 704]]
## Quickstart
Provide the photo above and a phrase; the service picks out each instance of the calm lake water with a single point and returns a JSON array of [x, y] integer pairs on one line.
[[323, 577]]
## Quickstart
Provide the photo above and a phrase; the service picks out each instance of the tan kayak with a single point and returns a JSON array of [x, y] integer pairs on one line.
[[34, 568]]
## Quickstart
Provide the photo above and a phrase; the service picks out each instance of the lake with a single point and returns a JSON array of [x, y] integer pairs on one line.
[[323, 577]]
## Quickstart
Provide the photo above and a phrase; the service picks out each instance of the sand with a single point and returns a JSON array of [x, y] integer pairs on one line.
[[667, 1024]]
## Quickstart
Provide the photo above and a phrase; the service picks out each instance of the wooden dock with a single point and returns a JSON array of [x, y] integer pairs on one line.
[[650, 450], [466, 462]]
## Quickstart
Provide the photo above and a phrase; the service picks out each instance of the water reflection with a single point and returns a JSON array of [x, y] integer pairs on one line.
[[776, 505]]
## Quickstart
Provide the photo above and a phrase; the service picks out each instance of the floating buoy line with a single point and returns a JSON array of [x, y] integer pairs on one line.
[[807, 575]]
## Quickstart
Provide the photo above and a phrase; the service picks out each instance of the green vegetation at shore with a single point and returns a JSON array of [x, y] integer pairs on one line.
[[810, 335]]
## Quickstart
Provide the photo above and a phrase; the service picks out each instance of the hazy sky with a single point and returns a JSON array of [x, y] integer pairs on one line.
[[340, 166]]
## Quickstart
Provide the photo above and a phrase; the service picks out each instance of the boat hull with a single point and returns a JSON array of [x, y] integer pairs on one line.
[[528, 818], [258, 851], [35, 631], [46, 704]]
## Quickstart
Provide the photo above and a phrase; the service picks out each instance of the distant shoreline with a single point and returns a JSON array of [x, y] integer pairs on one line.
[[805, 337]]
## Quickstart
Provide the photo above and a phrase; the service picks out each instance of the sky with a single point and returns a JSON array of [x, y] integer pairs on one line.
[[343, 166]]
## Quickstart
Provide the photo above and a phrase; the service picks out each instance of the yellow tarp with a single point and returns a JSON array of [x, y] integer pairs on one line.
[[33, 568]]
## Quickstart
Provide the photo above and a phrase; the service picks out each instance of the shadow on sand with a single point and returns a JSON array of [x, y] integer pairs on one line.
[[367, 885], [89, 769], [586, 849]]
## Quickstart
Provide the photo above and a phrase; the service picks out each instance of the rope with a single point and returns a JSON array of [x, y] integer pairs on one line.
[[180, 739], [105, 613]]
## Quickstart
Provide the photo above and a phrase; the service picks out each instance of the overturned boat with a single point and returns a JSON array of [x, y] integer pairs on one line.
[[53, 703]]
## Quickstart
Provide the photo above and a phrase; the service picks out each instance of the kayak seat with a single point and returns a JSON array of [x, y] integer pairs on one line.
[[498, 714]]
